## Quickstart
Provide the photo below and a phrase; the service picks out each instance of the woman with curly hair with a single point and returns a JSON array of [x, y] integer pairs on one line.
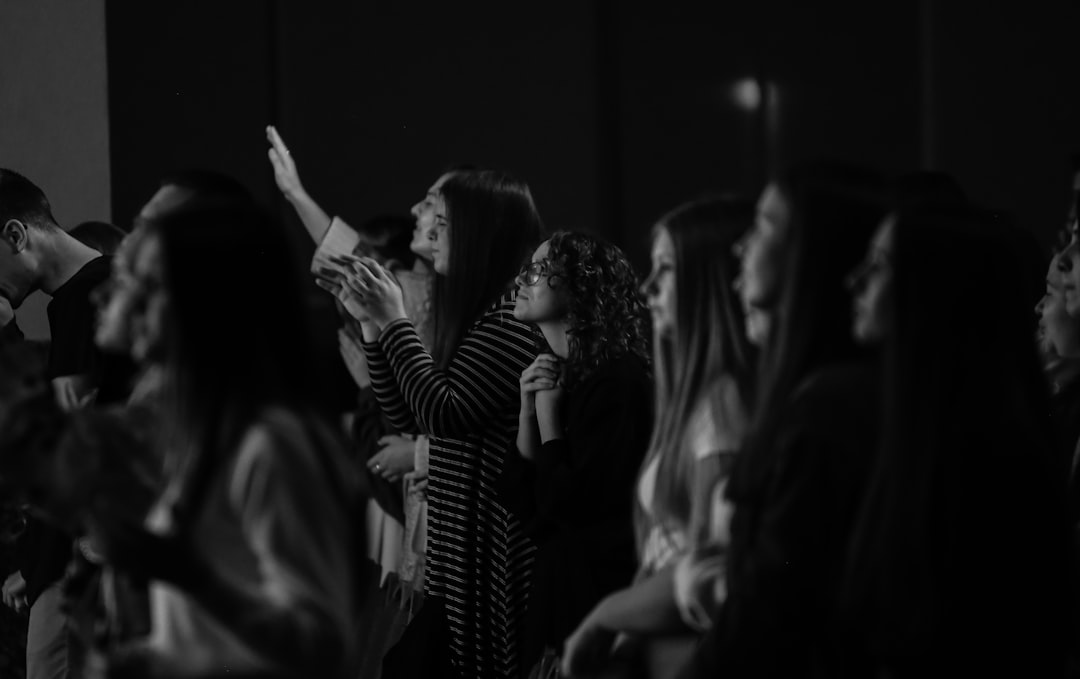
[[583, 427]]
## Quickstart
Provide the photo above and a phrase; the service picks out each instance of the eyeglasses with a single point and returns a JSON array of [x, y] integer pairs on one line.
[[532, 272]]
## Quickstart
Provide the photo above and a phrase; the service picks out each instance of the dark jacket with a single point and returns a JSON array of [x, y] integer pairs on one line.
[[576, 500], [790, 531]]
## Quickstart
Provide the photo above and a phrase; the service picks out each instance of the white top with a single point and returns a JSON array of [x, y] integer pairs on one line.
[[664, 543], [271, 526]]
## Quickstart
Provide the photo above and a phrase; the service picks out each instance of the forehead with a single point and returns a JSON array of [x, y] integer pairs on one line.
[[883, 237], [167, 198], [662, 245], [542, 251], [772, 205], [437, 186], [147, 260]]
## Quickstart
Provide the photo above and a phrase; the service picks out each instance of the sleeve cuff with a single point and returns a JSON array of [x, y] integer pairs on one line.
[[340, 239]]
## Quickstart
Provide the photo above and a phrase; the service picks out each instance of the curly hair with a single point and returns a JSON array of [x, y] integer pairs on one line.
[[606, 314]]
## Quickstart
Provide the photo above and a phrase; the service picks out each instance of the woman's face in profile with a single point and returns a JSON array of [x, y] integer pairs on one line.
[[872, 285], [424, 213], [150, 314], [440, 250], [659, 287], [761, 253]]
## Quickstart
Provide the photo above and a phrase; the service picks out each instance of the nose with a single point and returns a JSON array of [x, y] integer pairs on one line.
[[1064, 258], [648, 288], [738, 248], [415, 210], [1040, 306], [854, 279]]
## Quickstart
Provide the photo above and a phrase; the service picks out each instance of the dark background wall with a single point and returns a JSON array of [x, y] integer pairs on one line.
[[614, 112]]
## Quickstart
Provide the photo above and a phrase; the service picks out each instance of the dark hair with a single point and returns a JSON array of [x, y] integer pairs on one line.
[[387, 239], [964, 411], [101, 236], [21, 199], [927, 189], [207, 184], [607, 317], [707, 346], [238, 326], [493, 226], [834, 211]]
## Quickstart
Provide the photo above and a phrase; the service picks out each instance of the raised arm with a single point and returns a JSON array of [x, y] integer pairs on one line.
[[316, 221]]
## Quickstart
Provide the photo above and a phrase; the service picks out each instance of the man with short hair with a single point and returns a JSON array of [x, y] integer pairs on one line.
[[36, 254]]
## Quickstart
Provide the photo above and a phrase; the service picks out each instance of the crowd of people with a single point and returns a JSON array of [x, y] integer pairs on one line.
[[833, 432]]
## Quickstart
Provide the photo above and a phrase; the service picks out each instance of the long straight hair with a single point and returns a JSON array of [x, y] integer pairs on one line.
[[706, 345], [238, 329], [494, 225], [965, 400], [834, 211]]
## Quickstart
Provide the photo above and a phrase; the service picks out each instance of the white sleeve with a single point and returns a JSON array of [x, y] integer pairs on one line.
[[340, 239]]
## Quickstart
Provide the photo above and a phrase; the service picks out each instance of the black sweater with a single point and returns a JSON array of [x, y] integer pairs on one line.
[[576, 500]]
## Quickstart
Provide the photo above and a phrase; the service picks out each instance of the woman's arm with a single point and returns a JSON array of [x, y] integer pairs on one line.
[[647, 607], [476, 387], [314, 218], [591, 469]]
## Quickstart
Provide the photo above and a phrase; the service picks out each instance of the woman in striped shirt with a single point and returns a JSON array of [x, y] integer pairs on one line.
[[464, 394]]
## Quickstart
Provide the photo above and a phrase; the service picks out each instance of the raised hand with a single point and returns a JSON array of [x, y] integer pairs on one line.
[[285, 173]]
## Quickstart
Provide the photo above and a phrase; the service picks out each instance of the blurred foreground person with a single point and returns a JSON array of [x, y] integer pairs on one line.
[[251, 548]]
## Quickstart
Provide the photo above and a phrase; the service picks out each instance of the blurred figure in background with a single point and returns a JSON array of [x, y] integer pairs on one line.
[[704, 385], [799, 479], [942, 292]]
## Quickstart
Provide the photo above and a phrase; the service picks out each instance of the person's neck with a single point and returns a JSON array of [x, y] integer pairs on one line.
[[422, 266], [63, 258], [555, 334]]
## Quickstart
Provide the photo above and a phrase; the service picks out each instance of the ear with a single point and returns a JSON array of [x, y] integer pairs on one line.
[[15, 234]]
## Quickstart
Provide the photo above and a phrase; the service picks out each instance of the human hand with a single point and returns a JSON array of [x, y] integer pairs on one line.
[[333, 281], [354, 358], [588, 650], [394, 459], [14, 592], [375, 289], [285, 173], [542, 374]]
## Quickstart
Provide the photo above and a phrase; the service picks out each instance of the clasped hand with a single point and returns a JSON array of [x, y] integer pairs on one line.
[[365, 288]]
